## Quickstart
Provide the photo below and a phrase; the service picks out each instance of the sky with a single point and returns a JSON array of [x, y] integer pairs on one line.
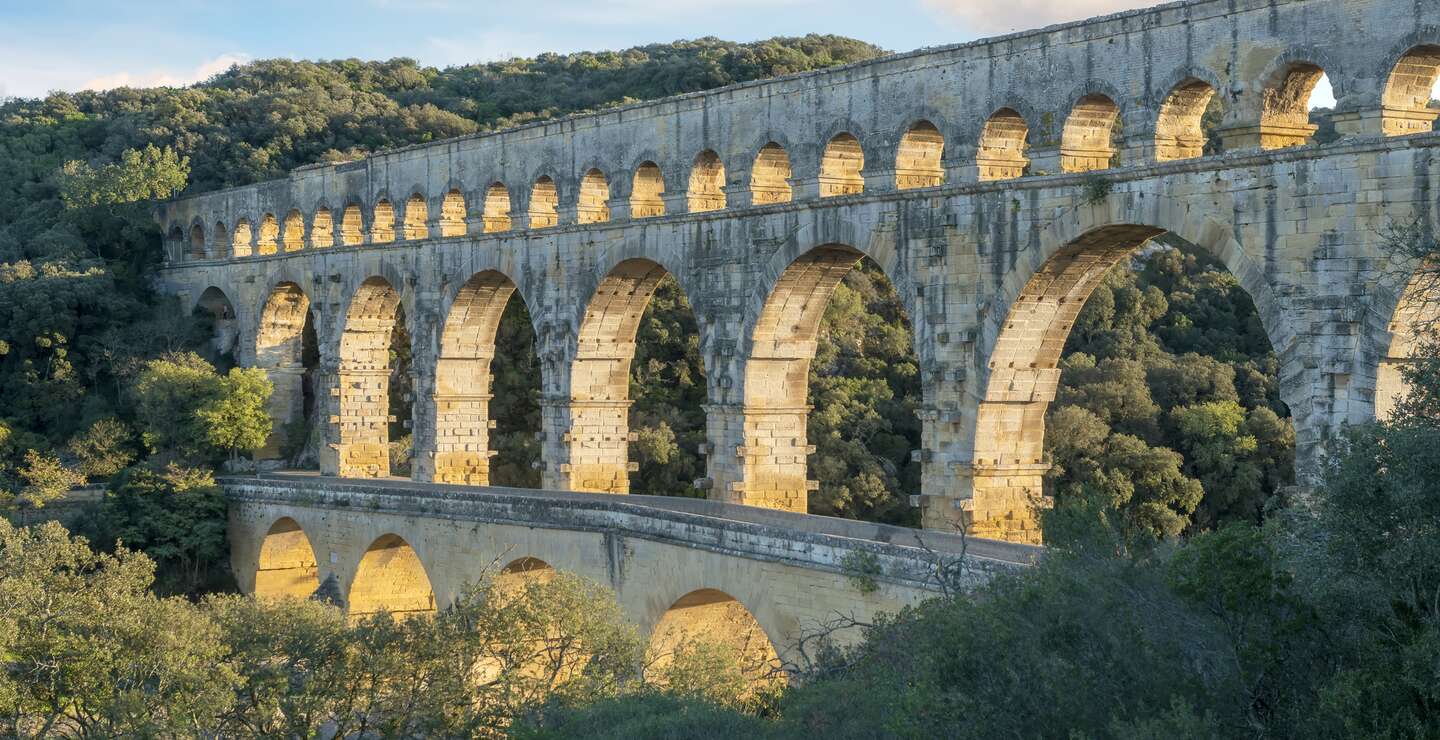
[[98, 44]]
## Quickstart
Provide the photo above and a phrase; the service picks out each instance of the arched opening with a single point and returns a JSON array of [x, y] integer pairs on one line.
[[417, 213], [1091, 139], [496, 212], [1411, 93], [197, 242], [286, 567], [636, 375], [592, 206], [1180, 130], [352, 226], [175, 244], [770, 177], [709, 633], [522, 572], [917, 162], [462, 439], [707, 183], [382, 230], [1133, 380], [544, 200], [240, 239], [322, 229], [374, 360], [286, 349], [832, 333], [1286, 116], [452, 214], [840, 167], [391, 579], [269, 232], [222, 241], [1416, 317], [216, 309], [1003, 146], [647, 192], [294, 236]]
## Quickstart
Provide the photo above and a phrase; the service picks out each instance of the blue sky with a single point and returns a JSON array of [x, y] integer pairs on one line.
[[80, 44]]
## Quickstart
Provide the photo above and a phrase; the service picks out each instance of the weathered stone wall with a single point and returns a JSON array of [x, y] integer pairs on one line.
[[290, 533], [759, 197]]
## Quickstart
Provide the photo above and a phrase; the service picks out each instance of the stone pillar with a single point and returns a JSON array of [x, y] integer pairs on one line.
[[884, 179], [362, 424], [599, 440], [619, 209], [452, 444], [554, 444], [771, 457], [1045, 160], [676, 203]]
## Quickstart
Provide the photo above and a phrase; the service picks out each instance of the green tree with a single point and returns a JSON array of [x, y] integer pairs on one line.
[[151, 173], [176, 516], [238, 417]]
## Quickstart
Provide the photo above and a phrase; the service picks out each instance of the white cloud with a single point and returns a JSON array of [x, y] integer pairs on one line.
[[1004, 16], [166, 77]]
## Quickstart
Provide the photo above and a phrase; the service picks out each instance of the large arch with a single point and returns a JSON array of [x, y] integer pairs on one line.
[[713, 627], [286, 566], [280, 342], [392, 579], [361, 448], [458, 449], [1408, 91]]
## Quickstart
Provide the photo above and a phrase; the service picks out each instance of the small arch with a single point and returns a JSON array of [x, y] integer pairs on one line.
[[197, 242], [544, 199], [840, 167], [221, 238], [294, 235], [322, 229], [1285, 108], [382, 231], [240, 239], [592, 206], [917, 161], [770, 176], [1089, 141], [496, 211], [647, 192], [1179, 130], [417, 213], [352, 226], [452, 214], [712, 626], [269, 232], [1408, 92], [391, 579], [1003, 146], [522, 572], [286, 568], [707, 183]]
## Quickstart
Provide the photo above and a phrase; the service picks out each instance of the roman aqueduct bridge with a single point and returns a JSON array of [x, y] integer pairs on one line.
[[994, 183]]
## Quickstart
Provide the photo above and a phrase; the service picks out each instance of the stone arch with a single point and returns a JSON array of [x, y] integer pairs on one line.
[[521, 572], [592, 207], [452, 214], [175, 243], [280, 342], [918, 158], [268, 233], [352, 225], [1003, 146], [600, 376], [294, 234], [1088, 141], [1178, 129], [220, 237], [322, 229], [1415, 306], [1405, 104], [286, 567], [1285, 105], [217, 306], [544, 202], [707, 183], [458, 448], [197, 242], [770, 176], [363, 430], [417, 216], [495, 213], [391, 578], [713, 619], [241, 239], [1022, 345], [647, 191], [841, 165], [382, 222]]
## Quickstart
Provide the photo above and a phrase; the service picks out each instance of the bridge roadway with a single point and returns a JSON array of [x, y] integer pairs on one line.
[[406, 546]]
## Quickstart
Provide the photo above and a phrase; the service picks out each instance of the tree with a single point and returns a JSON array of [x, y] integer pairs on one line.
[[238, 417], [176, 516], [185, 408], [104, 449], [151, 173]]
